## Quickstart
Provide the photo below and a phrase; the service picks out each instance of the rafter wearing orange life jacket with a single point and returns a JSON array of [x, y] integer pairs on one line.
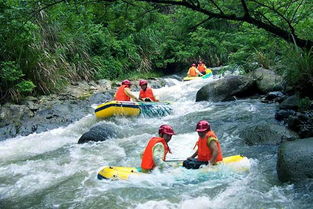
[[201, 67], [204, 152], [148, 93], [147, 162], [120, 94], [192, 72]]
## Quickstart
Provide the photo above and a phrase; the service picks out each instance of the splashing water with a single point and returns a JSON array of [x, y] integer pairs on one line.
[[50, 170]]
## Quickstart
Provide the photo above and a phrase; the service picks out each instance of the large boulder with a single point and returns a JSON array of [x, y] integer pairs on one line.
[[227, 89], [294, 160], [266, 133], [290, 103], [267, 80], [99, 132]]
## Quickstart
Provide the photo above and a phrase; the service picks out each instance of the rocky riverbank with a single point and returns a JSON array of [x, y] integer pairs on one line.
[[35, 115]]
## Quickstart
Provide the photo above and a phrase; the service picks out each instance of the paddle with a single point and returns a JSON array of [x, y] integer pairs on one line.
[[174, 160]]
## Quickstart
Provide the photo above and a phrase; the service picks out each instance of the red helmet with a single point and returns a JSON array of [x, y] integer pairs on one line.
[[166, 129], [143, 82], [193, 64], [203, 125], [126, 82]]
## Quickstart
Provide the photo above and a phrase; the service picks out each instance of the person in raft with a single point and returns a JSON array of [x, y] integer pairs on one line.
[[201, 67], [124, 93], [209, 149], [155, 152], [193, 71], [146, 93]]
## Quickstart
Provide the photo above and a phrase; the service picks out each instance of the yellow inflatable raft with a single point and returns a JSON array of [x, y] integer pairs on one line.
[[127, 108], [237, 163], [207, 75]]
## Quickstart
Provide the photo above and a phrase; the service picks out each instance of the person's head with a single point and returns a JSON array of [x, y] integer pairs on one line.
[[166, 132], [200, 62], [193, 65], [203, 127], [143, 84], [126, 83]]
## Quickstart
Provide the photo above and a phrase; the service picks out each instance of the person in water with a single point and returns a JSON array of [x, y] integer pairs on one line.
[[209, 149], [124, 93], [146, 93], [155, 152], [193, 71], [201, 67]]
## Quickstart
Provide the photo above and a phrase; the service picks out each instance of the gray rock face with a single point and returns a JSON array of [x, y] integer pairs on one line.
[[20, 120], [284, 114], [55, 110], [291, 102], [302, 123], [98, 133], [99, 98], [265, 133], [267, 80], [226, 89], [274, 96], [294, 160]]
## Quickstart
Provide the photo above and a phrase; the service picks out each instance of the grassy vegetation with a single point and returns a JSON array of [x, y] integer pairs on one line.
[[42, 51]]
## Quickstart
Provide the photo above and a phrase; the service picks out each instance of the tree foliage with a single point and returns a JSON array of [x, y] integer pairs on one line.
[[47, 44]]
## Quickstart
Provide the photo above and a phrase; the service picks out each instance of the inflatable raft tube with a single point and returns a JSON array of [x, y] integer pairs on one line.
[[237, 163]]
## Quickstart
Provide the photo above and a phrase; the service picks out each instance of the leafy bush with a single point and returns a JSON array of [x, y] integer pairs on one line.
[[305, 104], [25, 86], [299, 70]]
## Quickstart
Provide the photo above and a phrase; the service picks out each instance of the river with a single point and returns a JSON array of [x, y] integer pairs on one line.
[[50, 170]]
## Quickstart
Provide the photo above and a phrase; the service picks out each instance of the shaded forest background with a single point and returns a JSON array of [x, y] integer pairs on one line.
[[45, 45]]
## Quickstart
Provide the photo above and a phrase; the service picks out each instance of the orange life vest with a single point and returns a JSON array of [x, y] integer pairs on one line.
[[204, 152], [192, 72], [201, 68], [147, 94], [120, 94], [147, 162]]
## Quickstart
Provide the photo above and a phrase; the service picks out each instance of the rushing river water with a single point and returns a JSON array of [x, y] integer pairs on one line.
[[50, 170]]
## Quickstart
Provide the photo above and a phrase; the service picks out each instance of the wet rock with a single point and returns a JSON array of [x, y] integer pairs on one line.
[[294, 160], [106, 84], [274, 96], [98, 133], [101, 97], [11, 113], [266, 133], [284, 114], [291, 102], [267, 80], [7, 131], [227, 89], [302, 123], [50, 116]]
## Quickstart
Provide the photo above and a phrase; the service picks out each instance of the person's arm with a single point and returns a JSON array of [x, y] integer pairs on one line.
[[198, 72], [129, 93], [155, 98], [193, 155], [214, 150], [158, 153]]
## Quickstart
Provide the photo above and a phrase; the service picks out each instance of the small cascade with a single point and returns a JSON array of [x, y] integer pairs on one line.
[[155, 110]]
